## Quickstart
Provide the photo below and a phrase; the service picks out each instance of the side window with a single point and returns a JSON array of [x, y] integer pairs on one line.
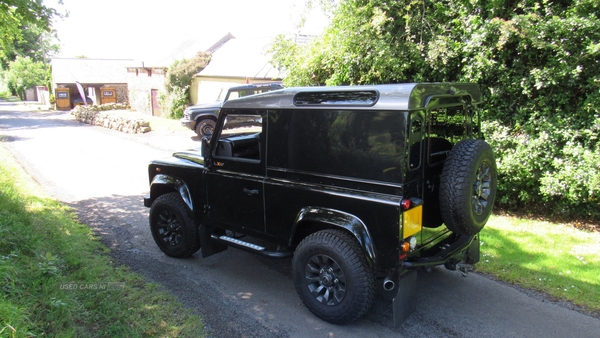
[[359, 144], [447, 126], [415, 137], [233, 95], [240, 137]]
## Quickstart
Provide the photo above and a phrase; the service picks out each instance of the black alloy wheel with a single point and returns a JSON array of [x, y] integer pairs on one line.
[[482, 189], [325, 279], [332, 276], [169, 228], [173, 230]]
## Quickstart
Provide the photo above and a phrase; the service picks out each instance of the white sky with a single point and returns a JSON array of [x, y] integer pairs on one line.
[[158, 32]]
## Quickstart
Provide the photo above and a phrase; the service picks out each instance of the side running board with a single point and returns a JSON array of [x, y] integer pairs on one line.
[[257, 249]]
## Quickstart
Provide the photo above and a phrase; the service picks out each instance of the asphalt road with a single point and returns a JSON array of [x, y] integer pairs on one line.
[[102, 174]]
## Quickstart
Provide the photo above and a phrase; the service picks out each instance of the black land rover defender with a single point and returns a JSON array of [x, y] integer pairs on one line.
[[357, 184], [202, 118]]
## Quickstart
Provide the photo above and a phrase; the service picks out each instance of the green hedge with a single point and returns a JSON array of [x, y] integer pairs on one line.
[[537, 64]]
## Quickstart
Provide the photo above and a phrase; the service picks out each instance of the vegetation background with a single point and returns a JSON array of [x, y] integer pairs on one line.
[[537, 62]]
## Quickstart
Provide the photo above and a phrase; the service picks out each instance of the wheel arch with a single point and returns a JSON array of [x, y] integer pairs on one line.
[[163, 184], [203, 116], [312, 219]]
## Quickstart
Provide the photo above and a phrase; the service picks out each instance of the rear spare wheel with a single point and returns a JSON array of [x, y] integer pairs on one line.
[[468, 186]]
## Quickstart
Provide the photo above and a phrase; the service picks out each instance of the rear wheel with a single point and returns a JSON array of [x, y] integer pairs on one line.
[[173, 230], [468, 186], [332, 277]]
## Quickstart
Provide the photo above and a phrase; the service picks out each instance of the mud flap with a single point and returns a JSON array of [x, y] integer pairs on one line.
[[207, 245], [471, 255], [405, 302]]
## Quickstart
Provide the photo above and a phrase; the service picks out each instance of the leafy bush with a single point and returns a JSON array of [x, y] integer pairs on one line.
[[178, 81], [24, 73], [175, 101], [536, 62], [181, 72]]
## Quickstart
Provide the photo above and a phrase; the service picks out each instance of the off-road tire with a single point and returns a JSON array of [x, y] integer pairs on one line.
[[205, 127], [468, 187], [173, 230], [332, 265]]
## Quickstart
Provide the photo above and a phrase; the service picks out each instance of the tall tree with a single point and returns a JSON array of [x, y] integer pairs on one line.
[[22, 22]]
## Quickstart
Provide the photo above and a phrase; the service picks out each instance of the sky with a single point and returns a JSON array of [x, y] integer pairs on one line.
[[157, 32]]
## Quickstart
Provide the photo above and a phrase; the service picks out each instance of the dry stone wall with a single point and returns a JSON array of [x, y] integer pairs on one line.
[[113, 116]]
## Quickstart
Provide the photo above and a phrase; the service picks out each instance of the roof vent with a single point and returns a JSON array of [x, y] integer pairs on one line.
[[339, 98]]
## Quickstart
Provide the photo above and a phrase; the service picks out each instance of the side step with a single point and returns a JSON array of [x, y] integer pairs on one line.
[[257, 249]]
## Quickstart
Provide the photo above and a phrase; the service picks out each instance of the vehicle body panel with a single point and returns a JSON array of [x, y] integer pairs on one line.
[[273, 197]]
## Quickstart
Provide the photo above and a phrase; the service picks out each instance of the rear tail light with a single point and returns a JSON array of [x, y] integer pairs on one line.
[[405, 204]]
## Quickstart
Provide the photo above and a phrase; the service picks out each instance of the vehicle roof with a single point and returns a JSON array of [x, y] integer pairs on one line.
[[401, 96], [257, 85]]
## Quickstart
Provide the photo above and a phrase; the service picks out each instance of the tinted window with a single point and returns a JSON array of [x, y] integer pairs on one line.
[[448, 126], [415, 138], [448, 123], [358, 144]]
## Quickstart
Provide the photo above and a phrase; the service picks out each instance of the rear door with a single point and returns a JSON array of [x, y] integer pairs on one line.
[[447, 122]]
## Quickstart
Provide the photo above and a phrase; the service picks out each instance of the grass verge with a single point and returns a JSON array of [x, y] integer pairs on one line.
[[553, 258], [57, 279]]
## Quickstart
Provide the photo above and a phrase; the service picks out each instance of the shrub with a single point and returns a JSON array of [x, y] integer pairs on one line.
[[536, 62], [178, 81]]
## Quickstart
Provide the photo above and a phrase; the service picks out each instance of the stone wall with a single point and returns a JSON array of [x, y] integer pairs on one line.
[[113, 116]]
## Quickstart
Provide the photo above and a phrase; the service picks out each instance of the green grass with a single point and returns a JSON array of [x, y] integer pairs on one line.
[[6, 96], [42, 246], [553, 258]]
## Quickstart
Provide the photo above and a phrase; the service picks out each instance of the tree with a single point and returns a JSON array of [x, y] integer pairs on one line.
[[25, 73], [35, 43], [178, 81], [19, 19], [536, 61]]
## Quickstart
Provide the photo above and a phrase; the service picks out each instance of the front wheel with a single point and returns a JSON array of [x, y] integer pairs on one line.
[[174, 231], [332, 277], [205, 128]]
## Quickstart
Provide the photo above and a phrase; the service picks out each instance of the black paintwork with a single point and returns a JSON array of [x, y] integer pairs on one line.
[[343, 163]]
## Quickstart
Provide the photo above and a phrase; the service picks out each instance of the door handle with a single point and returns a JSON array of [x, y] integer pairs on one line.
[[251, 191]]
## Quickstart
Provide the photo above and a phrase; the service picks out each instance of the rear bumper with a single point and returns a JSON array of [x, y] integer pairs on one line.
[[466, 246]]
